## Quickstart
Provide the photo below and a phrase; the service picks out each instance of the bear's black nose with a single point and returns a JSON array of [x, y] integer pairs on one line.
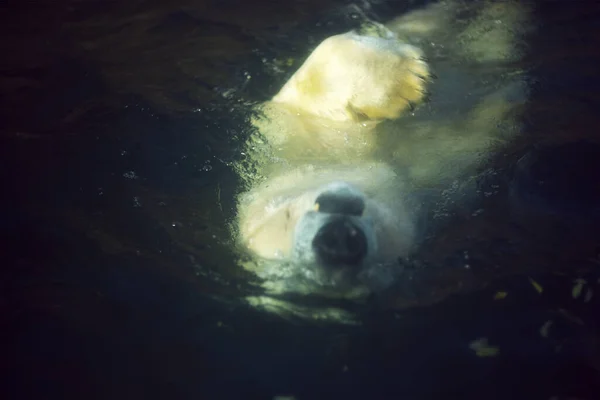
[[341, 202], [340, 242]]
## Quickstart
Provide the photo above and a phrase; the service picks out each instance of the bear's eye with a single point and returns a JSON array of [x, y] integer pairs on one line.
[[334, 203]]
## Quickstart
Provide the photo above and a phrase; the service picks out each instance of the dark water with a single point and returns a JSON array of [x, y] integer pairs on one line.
[[118, 132]]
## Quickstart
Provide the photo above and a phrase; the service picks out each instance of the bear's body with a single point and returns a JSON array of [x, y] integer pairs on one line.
[[329, 211]]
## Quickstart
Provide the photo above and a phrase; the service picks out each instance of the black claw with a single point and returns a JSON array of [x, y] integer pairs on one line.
[[423, 78]]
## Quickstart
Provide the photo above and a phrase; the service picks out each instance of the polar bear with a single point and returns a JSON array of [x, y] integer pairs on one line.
[[332, 202], [335, 220]]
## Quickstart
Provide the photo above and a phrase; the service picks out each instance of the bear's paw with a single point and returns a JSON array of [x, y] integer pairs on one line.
[[357, 77]]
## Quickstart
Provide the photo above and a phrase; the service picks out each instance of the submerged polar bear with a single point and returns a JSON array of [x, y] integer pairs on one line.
[[333, 205]]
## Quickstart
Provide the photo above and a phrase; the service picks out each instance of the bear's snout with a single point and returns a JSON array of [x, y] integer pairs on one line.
[[340, 242], [341, 198]]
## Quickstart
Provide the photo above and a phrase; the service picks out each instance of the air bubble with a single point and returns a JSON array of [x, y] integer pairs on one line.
[[130, 175]]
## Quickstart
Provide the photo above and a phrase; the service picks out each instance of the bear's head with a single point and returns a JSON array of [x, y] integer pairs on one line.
[[330, 233]]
